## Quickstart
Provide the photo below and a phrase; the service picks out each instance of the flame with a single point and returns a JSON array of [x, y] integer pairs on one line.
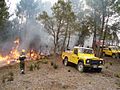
[[17, 41], [33, 55], [3, 58], [14, 54], [8, 62]]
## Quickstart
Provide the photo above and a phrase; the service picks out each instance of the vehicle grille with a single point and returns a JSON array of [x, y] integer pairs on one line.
[[119, 54], [95, 62]]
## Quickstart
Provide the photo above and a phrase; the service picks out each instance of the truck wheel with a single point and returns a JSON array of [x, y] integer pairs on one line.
[[104, 54], [113, 56], [65, 62], [80, 67], [118, 57], [99, 70]]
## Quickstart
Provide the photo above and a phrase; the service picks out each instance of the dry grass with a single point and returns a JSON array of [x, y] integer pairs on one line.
[[8, 77], [117, 75], [110, 63]]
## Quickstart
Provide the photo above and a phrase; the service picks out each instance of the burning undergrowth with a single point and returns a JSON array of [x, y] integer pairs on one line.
[[13, 53], [30, 37], [33, 52]]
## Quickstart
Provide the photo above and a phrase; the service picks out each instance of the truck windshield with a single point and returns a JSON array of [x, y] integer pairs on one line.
[[87, 51], [114, 48]]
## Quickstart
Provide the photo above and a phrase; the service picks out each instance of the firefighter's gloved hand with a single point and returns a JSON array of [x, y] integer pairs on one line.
[[22, 72]]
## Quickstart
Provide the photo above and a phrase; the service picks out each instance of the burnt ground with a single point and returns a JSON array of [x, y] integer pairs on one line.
[[45, 77]]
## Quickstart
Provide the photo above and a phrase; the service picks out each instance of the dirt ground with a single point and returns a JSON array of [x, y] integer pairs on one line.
[[62, 78]]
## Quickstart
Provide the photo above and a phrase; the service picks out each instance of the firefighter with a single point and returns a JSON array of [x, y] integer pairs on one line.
[[22, 58]]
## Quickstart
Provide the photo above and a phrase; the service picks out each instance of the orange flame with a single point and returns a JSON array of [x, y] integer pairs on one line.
[[14, 54], [33, 55]]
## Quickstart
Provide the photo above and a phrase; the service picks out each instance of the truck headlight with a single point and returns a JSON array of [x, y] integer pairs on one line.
[[87, 61], [100, 62]]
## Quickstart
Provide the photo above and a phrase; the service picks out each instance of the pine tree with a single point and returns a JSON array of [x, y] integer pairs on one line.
[[4, 14]]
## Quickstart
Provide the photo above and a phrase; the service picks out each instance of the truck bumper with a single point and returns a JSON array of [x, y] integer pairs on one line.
[[119, 55], [94, 66]]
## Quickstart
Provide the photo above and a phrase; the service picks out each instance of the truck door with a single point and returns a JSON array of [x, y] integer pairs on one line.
[[74, 58], [109, 51]]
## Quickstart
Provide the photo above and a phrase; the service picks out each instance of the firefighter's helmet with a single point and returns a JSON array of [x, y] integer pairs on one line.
[[23, 50]]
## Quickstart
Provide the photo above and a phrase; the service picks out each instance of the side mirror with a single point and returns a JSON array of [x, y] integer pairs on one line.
[[110, 49], [76, 51]]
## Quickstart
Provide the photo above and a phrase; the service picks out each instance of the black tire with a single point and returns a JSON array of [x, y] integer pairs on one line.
[[99, 70], [103, 54], [117, 56], [113, 56], [80, 66], [65, 61]]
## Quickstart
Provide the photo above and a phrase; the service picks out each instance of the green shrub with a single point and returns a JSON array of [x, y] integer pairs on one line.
[[45, 62], [34, 66], [3, 79], [118, 83], [10, 78], [65, 86], [68, 70], [38, 62], [106, 67], [117, 75], [89, 82], [37, 66], [55, 66], [31, 67], [11, 74], [110, 63], [51, 63]]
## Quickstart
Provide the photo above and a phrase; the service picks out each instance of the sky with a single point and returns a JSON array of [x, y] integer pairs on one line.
[[12, 5], [52, 1]]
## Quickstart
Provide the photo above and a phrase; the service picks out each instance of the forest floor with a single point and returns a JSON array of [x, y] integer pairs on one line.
[[40, 75]]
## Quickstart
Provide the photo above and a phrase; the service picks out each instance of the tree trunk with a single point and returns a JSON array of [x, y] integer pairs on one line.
[[95, 30], [102, 28], [105, 32], [68, 41], [80, 40], [94, 38], [56, 41], [64, 40]]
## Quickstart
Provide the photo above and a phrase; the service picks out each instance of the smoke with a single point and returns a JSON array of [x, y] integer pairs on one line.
[[34, 37], [31, 33]]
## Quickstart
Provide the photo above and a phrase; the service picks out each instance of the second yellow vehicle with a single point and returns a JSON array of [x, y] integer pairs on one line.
[[84, 58], [112, 51]]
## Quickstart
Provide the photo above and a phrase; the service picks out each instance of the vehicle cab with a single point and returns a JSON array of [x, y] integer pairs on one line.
[[84, 58], [112, 51]]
